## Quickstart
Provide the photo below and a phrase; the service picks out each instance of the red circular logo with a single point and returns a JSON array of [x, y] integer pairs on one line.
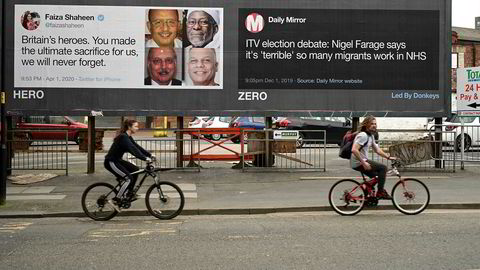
[[254, 23]]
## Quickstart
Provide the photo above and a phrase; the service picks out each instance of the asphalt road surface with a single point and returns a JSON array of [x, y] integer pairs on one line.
[[436, 239]]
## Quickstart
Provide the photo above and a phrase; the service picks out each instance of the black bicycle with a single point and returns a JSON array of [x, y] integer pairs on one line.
[[164, 199]]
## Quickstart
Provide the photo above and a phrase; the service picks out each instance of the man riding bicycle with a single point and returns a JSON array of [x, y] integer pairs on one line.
[[359, 160]]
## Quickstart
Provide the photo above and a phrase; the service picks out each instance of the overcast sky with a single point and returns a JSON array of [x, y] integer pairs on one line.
[[464, 12]]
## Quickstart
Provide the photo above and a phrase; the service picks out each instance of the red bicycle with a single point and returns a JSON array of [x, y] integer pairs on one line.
[[409, 196]]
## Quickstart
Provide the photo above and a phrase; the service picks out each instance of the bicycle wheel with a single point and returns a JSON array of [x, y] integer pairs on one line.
[[95, 201], [165, 200], [410, 197], [347, 197]]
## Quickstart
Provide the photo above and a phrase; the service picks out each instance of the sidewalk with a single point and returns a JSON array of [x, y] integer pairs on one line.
[[228, 191]]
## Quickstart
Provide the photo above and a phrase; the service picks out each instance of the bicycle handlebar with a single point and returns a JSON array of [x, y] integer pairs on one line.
[[396, 163]]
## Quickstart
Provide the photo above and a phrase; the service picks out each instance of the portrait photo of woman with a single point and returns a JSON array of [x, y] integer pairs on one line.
[[30, 20]]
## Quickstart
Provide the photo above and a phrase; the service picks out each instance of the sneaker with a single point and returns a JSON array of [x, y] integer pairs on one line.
[[132, 197], [382, 194], [115, 204]]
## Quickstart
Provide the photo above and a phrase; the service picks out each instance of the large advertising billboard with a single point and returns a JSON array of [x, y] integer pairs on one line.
[[321, 57]]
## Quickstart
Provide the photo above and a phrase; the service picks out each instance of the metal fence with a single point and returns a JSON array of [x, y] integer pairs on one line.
[[285, 154], [421, 152], [261, 151], [467, 149], [303, 154], [28, 153], [165, 150]]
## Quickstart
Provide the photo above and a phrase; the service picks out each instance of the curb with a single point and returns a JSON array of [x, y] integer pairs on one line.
[[231, 211]]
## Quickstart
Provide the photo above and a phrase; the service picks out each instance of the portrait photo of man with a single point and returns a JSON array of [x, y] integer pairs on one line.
[[203, 28], [161, 67], [202, 66], [164, 27]]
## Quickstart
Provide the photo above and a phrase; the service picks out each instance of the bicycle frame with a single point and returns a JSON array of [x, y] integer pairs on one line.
[[146, 172], [368, 185]]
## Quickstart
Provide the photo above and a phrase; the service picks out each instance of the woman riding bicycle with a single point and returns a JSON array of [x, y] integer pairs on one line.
[[114, 163], [359, 160]]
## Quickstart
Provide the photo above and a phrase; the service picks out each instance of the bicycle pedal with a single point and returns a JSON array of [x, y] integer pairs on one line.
[[114, 205]]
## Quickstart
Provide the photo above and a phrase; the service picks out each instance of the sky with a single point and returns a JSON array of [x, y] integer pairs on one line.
[[464, 13]]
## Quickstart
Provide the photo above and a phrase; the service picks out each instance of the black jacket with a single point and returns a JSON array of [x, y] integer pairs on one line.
[[148, 81], [124, 143]]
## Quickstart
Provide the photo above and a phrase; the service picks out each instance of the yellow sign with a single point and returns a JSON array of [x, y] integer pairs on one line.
[[3, 98]]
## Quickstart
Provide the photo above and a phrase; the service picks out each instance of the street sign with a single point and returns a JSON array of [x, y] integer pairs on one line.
[[468, 91], [285, 134]]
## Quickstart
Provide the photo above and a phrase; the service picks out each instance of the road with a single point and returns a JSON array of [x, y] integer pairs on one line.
[[436, 239]]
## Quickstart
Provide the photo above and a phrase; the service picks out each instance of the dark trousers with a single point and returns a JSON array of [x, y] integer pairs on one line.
[[378, 169], [122, 169]]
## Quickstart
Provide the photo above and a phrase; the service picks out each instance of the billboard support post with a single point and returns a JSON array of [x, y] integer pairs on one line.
[[355, 123], [180, 142], [3, 163], [10, 136], [269, 153], [438, 145], [3, 137], [91, 145]]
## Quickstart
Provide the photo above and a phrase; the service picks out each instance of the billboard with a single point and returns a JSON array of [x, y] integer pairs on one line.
[[248, 57]]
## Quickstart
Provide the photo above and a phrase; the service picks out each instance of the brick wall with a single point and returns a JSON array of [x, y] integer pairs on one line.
[[468, 56]]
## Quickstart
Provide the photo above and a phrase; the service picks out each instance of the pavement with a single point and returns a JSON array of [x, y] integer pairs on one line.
[[226, 191]]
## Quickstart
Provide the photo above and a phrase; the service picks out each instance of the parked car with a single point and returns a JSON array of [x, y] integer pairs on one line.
[[197, 121], [51, 127], [309, 128], [216, 122], [257, 123], [451, 131]]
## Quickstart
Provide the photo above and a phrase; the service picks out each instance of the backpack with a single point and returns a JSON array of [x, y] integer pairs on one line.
[[347, 143]]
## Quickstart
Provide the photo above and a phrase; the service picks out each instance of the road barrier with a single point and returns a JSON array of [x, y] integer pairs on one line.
[[259, 149], [468, 147], [28, 153], [251, 151], [165, 150], [289, 152], [421, 154]]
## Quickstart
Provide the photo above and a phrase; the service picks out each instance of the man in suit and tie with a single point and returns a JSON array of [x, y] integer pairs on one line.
[[162, 67]]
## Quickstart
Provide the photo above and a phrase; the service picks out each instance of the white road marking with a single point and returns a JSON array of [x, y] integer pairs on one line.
[[15, 190], [19, 193], [188, 195], [39, 190], [14, 227], [117, 233], [35, 197]]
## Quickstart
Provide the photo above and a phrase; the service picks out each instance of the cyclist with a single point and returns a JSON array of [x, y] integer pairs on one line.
[[122, 143], [359, 160]]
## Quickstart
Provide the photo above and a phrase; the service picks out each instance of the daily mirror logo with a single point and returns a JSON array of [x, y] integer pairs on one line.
[[254, 23]]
